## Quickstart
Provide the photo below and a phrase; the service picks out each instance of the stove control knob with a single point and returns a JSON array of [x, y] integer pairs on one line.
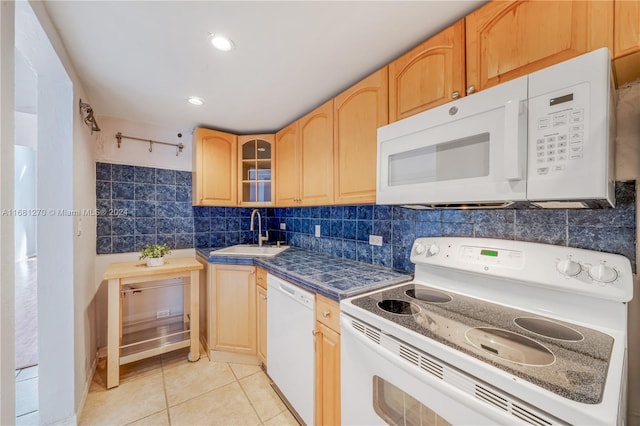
[[569, 268], [603, 273], [433, 250], [419, 248]]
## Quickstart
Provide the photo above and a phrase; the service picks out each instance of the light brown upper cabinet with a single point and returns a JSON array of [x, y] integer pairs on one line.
[[626, 41], [357, 114], [304, 171], [288, 166], [508, 39], [429, 75], [256, 170], [316, 154], [215, 161]]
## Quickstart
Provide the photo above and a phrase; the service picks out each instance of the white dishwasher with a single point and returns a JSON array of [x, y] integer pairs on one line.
[[290, 344]]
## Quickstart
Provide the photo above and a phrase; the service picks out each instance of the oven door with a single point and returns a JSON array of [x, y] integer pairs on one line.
[[469, 151], [381, 384]]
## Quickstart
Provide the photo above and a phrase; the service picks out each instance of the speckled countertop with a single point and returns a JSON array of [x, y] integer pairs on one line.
[[333, 277], [578, 371]]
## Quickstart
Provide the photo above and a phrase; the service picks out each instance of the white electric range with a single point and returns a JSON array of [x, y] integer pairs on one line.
[[490, 332]]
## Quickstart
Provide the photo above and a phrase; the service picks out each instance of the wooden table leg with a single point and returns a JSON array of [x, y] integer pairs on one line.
[[194, 286], [113, 333]]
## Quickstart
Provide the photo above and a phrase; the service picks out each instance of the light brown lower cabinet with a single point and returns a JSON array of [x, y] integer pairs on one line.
[[232, 310], [327, 374], [261, 314]]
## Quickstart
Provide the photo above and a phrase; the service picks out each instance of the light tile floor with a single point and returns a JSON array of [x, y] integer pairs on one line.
[[169, 390], [27, 396]]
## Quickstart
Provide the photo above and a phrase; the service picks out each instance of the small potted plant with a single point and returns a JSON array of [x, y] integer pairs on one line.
[[154, 253]]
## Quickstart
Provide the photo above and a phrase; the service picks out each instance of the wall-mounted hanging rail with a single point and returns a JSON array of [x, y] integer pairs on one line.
[[179, 146]]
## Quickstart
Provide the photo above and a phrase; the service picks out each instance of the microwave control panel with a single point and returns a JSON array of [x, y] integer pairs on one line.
[[557, 124]]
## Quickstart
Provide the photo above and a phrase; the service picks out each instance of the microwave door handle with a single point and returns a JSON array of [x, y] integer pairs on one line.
[[513, 169]]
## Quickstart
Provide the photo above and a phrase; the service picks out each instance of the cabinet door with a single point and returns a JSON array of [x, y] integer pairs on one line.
[[287, 166], [262, 324], [327, 376], [232, 319], [627, 41], [508, 39], [216, 162], [428, 75], [357, 114], [316, 153], [255, 177]]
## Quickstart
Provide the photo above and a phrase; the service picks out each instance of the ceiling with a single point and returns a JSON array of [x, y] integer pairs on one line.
[[140, 60]]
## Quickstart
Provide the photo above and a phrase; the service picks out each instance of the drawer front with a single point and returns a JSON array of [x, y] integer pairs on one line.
[[261, 277], [328, 312]]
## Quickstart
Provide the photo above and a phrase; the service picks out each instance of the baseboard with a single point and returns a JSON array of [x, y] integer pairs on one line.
[[204, 346], [70, 421], [102, 353], [223, 356], [87, 385]]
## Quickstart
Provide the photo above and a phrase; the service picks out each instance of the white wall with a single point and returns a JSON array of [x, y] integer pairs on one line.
[[25, 200], [26, 129], [26, 134], [7, 298], [136, 152]]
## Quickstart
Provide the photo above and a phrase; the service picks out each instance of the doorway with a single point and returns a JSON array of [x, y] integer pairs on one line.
[[56, 379], [25, 249]]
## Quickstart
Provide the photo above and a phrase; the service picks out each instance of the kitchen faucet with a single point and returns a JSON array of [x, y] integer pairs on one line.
[[266, 233]]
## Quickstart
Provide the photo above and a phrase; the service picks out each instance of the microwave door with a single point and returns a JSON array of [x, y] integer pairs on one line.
[[475, 155]]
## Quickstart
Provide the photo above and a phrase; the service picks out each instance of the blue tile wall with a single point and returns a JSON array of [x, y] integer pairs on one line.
[[155, 206], [142, 205]]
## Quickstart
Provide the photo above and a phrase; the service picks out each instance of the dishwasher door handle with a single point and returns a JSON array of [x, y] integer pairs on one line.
[[287, 290]]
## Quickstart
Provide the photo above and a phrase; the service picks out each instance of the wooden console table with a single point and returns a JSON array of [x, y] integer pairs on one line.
[[172, 332]]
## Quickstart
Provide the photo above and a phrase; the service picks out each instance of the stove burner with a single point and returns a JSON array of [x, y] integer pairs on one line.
[[548, 328], [510, 346], [428, 295], [399, 307]]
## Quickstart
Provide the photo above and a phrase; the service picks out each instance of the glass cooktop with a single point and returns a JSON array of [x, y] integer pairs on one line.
[[566, 359]]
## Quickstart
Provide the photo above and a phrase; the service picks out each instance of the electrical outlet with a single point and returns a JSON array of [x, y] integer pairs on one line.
[[317, 230], [375, 240], [163, 313], [283, 226]]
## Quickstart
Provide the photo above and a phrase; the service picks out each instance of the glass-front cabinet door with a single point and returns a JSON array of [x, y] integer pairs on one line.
[[256, 169]]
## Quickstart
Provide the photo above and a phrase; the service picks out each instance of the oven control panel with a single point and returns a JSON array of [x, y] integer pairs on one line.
[[492, 256], [603, 275]]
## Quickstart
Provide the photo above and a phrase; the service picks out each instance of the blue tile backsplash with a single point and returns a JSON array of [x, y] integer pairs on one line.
[[154, 206]]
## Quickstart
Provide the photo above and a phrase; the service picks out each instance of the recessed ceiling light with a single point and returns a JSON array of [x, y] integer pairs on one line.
[[194, 100], [221, 42]]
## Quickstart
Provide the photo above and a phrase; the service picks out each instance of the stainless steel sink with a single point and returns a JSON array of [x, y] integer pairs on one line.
[[249, 250]]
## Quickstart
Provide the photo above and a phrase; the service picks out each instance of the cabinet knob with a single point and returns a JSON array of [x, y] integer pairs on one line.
[[263, 297], [455, 95], [326, 314], [315, 332], [471, 89], [252, 272]]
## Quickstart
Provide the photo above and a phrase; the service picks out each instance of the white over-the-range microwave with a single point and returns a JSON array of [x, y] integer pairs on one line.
[[542, 140]]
